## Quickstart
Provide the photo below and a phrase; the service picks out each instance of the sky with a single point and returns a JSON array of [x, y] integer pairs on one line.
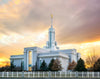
[[25, 23]]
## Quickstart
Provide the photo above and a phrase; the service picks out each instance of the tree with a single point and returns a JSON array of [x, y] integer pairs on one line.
[[12, 65], [43, 66], [91, 59], [50, 65], [6, 68], [22, 66], [72, 65], [18, 68], [80, 66], [35, 67], [96, 66], [56, 65]]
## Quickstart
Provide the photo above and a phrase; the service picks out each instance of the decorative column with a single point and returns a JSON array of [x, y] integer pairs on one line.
[[27, 59], [32, 58]]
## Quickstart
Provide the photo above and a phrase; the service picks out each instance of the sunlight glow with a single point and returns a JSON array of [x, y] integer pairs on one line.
[[10, 39], [41, 36]]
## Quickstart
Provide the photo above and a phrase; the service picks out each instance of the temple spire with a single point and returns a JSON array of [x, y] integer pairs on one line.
[[51, 43], [51, 21]]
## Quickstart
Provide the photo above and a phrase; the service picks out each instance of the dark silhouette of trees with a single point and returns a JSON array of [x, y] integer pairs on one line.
[[80, 66], [6, 68], [50, 65], [96, 66], [56, 65], [22, 66], [72, 65], [43, 66], [12, 65], [91, 59], [35, 67]]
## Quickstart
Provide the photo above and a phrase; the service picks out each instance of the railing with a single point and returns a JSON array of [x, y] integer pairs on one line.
[[51, 74]]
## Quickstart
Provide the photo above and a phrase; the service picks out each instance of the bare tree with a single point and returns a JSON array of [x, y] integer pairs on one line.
[[91, 59], [72, 65], [56, 65]]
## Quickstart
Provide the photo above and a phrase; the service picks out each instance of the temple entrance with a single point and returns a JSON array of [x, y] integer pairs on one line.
[[30, 61]]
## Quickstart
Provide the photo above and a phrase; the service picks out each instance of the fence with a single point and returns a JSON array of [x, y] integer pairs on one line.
[[51, 74]]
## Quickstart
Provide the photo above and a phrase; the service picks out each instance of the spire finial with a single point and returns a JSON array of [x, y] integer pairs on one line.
[[51, 20], [51, 16]]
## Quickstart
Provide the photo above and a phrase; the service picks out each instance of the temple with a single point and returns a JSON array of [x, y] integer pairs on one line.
[[33, 55]]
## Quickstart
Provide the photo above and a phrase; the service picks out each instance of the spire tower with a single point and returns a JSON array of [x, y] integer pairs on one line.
[[51, 20], [51, 43]]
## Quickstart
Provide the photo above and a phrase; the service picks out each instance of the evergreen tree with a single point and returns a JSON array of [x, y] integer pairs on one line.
[[50, 65], [36, 67], [22, 66], [43, 66], [96, 66], [80, 66], [56, 65], [12, 65]]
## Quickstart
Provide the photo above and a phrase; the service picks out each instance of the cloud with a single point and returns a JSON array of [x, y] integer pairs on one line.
[[26, 22], [76, 16], [76, 21], [83, 25]]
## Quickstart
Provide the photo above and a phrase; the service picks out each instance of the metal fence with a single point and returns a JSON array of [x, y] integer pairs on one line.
[[51, 74]]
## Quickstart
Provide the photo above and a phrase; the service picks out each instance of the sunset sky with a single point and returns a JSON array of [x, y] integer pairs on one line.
[[25, 23]]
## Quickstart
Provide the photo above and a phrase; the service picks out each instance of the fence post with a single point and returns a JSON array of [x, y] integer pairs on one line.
[[33, 74], [82, 74], [55, 74], [2, 74], [22, 73], [48, 74], [7, 74], [65, 74], [93, 74], [70, 74], [28, 74], [38, 74], [60, 74], [12, 74], [76, 74], [17, 73], [98, 74], [43, 74], [88, 74]]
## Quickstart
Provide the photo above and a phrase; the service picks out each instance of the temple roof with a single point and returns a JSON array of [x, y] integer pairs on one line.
[[53, 54]]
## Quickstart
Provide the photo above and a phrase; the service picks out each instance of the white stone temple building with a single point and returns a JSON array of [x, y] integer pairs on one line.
[[33, 55]]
